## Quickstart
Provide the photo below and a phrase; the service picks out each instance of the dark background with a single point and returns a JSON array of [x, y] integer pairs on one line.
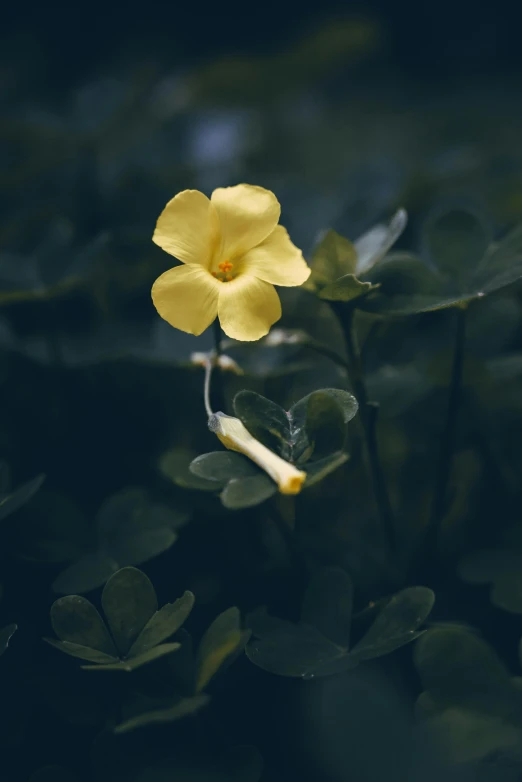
[[93, 386]]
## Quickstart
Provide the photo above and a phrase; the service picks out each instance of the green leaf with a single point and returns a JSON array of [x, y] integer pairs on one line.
[[175, 466], [316, 471], [503, 570], [163, 624], [345, 289], [317, 422], [75, 619], [132, 663], [397, 623], [328, 604], [90, 572], [16, 499], [83, 652], [133, 530], [346, 401], [6, 633], [223, 640], [324, 424], [295, 650], [222, 466], [457, 668], [128, 601], [455, 242], [502, 265], [334, 256], [247, 492], [181, 708], [265, 420], [472, 736], [373, 245]]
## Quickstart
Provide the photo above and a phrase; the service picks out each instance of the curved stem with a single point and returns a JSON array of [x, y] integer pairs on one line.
[[206, 387], [368, 412], [447, 442]]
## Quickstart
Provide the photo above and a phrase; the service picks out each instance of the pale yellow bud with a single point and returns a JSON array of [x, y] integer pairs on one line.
[[236, 437]]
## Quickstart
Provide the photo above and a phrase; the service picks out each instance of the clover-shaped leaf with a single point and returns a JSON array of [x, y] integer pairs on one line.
[[319, 644], [175, 465], [502, 568], [459, 264], [136, 628], [130, 530], [339, 267], [220, 645], [12, 501], [470, 698], [190, 672], [310, 435], [6, 633]]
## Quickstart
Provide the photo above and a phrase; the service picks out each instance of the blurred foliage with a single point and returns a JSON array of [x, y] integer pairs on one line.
[[391, 661]]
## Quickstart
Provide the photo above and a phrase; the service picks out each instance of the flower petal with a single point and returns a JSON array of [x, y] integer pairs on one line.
[[276, 260], [187, 298], [247, 215], [188, 228], [247, 308]]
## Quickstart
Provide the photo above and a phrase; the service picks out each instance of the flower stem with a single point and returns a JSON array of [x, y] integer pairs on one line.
[[219, 394], [368, 413], [447, 443]]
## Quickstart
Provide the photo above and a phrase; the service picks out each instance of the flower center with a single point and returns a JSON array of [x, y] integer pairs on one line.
[[225, 272]]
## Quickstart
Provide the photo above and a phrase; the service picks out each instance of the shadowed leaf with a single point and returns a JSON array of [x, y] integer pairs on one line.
[[265, 420], [75, 619], [223, 640], [182, 708], [247, 492], [132, 663], [87, 574], [83, 652], [19, 497], [163, 624], [129, 601], [397, 623], [222, 466]]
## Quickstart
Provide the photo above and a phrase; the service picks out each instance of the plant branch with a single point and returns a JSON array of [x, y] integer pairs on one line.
[[368, 412], [447, 443]]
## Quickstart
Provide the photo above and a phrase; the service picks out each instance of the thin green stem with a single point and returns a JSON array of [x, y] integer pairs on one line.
[[324, 350], [206, 386], [219, 394], [368, 413], [447, 442]]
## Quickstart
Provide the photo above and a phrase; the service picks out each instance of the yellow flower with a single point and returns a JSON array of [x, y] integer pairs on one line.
[[233, 252], [235, 436]]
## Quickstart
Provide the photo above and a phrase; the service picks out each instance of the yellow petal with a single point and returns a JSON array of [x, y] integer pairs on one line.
[[187, 298], [188, 228], [247, 307], [235, 436], [247, 215], [276, 260]]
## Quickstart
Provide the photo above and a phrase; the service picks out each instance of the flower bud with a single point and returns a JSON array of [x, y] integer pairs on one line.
[[236, 437]]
